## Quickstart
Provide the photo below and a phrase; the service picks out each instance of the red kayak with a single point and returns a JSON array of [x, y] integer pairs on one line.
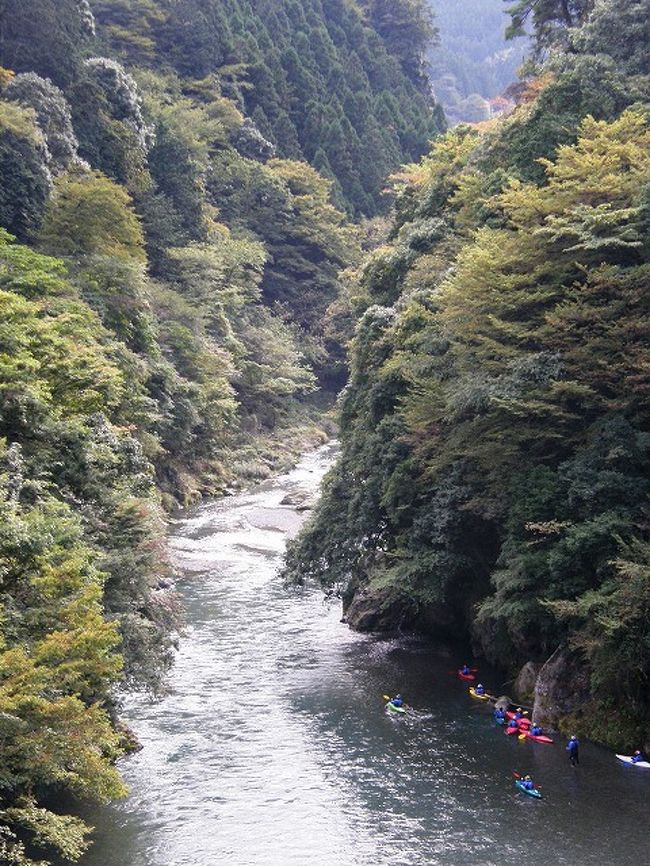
[[523, 722], [540, 738], [510, 731], [469, 677]]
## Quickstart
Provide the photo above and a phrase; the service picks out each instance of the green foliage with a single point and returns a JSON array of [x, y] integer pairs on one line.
[[52, 115], [75, 584], [25, 180], [88, 214], [549, 19], [47, 37], [495, 430], [610, 628], [407, 28], [183, 325], [314, 76], [58, 660]]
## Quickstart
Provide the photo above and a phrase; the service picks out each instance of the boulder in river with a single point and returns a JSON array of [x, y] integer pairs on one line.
[[301, 500]]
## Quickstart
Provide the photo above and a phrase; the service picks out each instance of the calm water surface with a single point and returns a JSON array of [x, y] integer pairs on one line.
[[273, 746]]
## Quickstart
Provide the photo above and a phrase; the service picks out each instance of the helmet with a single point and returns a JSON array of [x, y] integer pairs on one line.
[[527, 778], [637, 752], [573, 737], [518, 709], [479, 686]]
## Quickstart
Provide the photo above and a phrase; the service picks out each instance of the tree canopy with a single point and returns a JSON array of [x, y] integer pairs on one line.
[[495, 430]]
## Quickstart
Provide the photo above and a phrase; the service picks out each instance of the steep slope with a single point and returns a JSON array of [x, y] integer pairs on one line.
[[165, 275], [317, 79], [495, 470]]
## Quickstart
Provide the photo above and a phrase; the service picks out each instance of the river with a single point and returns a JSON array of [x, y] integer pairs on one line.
[[273, 746]]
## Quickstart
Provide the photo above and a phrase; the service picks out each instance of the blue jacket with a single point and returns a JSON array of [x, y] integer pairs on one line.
[[637, 758], [397, 702], [528, 784], [572, 746]]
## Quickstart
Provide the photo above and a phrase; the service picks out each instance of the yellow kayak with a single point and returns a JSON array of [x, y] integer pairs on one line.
[[484, 697]]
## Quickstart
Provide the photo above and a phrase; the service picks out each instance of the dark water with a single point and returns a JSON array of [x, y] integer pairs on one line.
[[273, 746]]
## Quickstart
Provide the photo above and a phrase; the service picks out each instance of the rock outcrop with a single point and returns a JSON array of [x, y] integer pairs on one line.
[[561, 689], [524, 686], [366, 609]]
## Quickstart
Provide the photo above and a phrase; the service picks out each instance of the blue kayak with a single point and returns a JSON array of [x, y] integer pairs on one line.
[[532, 792]]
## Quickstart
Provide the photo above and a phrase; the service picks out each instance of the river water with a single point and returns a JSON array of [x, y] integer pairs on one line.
[[273, 746]]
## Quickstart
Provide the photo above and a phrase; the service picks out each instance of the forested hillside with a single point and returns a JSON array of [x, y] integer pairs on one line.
[[472, 62], [495, 471], [168, 255]]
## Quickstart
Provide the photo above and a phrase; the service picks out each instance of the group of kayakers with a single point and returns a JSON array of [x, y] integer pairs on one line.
[[516, 722]]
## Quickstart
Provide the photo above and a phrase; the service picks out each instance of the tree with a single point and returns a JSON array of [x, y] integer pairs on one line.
[[47, 37], [52, 115], [88, 214], [407, 28], [25, 180], [549, 18]]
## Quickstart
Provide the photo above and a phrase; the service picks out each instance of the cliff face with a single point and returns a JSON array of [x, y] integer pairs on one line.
[[562, 689]]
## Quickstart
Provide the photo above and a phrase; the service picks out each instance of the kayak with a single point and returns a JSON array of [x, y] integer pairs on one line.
[[540, 738], [391, 706], [468, 677], [478, 697], [645, 765], [523, 722], [532, 792], [510, 731]]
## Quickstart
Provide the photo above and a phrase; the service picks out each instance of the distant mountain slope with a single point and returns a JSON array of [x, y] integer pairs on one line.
[[473, 62], [316, 77]]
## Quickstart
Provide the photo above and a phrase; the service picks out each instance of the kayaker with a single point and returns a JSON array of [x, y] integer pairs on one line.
[[637, 757], [519, 714], [536, 731], [528, 783], [499, 714], [397, 701], [572, 748], [513, 723], [480, 690], [466, 670]]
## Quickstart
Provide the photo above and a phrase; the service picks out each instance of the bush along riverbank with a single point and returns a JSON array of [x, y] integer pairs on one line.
[[495, 466]]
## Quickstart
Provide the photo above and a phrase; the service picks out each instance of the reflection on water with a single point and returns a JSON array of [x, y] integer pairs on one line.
[[273, 746]]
